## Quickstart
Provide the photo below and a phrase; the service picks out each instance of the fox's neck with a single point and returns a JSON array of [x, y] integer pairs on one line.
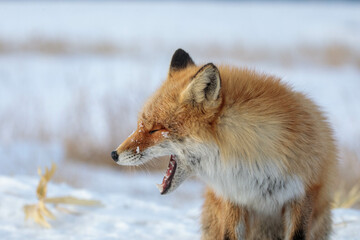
[[263, 187]]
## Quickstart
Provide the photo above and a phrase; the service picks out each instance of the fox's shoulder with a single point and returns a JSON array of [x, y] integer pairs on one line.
[[244, 86]]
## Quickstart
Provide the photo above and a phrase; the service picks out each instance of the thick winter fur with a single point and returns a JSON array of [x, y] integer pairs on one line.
[[265, 151]]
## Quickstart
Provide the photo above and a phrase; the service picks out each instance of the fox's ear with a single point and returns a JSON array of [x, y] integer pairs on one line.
[[180, 60], [204, 86]]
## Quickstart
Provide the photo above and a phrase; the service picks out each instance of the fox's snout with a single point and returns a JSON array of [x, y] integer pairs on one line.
[[115, 156]]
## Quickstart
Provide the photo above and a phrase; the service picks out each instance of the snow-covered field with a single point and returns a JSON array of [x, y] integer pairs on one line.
[[81, 71], [132, 209]]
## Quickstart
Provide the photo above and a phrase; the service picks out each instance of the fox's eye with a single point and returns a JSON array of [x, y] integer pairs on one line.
[[152, 131], [156, 128]]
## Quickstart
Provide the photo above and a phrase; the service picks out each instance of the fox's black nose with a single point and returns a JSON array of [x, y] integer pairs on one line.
[[114, 156]]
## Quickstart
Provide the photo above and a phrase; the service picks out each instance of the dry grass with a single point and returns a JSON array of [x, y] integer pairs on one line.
[[330, 54], [347, 198], [38, 212], [59, 47], [81, 144], [347, 192]]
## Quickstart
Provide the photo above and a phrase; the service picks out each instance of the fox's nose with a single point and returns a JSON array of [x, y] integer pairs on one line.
[[114, 156]]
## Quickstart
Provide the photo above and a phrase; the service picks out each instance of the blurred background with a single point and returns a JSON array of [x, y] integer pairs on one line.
[[74, 75]]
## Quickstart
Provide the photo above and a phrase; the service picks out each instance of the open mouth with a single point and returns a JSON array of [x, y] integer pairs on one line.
[[166, 182]]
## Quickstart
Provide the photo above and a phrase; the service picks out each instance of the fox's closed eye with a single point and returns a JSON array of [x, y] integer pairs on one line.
[[156, 128]]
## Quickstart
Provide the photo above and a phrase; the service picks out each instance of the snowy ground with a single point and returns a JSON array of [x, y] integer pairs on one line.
[[84, 69], [132, 209]]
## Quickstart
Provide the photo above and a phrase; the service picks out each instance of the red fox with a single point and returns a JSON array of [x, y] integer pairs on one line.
[[265, 151]]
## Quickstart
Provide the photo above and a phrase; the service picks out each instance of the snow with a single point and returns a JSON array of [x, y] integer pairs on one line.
[[165, 134], [346, 224], [131, 133], [128, 212], [46, 98]]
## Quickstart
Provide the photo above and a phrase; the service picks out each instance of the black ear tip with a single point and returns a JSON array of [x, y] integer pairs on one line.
[[180, 54], [180, 51], [180, 60]]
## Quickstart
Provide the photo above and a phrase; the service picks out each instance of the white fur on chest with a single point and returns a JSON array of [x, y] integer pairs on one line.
[[263, 188]]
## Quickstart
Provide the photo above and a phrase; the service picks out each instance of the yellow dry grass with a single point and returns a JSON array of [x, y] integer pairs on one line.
[[347, 194], [332, 54], [55, 46], [38, 212], [347, 199]]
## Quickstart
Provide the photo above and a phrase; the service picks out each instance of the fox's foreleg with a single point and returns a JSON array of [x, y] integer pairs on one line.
[[222, 220], [295, 214], [308, 218]]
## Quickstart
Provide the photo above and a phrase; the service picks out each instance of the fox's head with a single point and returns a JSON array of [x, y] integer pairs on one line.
[[178, 120]]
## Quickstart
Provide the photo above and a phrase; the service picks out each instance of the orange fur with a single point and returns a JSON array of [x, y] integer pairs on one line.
[[220, 218]]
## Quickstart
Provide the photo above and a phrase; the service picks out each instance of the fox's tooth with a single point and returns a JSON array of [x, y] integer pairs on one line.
[[160, 187]]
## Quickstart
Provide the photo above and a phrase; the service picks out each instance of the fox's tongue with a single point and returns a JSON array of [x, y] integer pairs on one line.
[[166, 183]]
